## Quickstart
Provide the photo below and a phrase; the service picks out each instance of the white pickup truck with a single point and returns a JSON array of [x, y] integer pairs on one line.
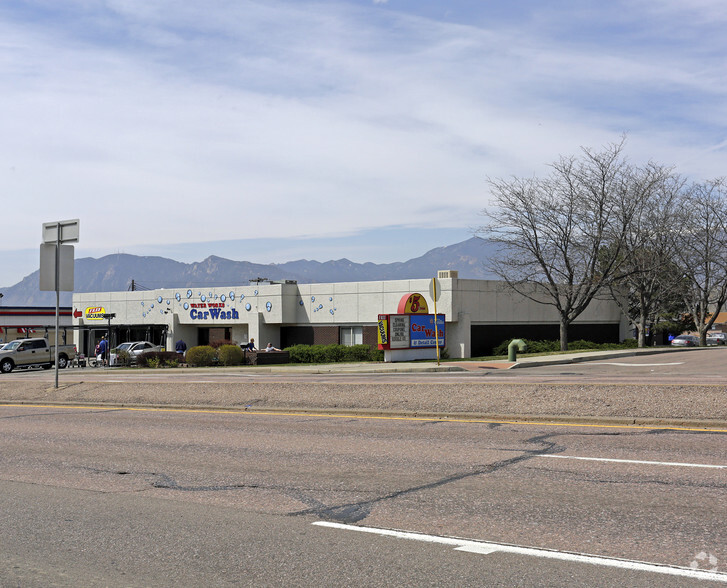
[[32, 353]]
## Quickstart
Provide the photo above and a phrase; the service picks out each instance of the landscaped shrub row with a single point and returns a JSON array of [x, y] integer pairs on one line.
[[228, 355], [554, 346], [333, 353], [155, 359]]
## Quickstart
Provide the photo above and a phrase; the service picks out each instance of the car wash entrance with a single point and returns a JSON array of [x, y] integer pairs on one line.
[[207, 335]]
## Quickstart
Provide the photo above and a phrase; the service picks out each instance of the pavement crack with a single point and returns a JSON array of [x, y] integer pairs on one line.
[[353, 512]]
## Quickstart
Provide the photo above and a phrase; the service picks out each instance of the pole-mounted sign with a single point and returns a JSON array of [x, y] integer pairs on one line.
[[56, 264]]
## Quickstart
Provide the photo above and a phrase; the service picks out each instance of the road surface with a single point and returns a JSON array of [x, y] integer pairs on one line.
[[99, 496]]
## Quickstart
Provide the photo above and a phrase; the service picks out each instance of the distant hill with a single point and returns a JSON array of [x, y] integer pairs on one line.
[[114, 273]]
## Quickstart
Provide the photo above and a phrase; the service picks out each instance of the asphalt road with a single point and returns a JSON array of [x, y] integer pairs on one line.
[[187, 498]]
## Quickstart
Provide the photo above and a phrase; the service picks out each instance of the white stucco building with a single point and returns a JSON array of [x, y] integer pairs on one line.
[[479, 314]]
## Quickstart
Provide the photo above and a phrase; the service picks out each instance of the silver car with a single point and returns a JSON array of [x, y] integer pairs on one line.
[[134, 349], [685, 341]]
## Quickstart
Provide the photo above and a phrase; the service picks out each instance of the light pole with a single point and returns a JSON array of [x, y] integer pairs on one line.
[[108, 316]]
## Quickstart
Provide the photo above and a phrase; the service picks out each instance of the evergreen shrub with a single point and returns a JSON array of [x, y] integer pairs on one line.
[[202, 355], [333, 353], [229, 355]]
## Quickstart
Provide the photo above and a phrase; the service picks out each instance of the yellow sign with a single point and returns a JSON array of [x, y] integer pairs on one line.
[[413, 304], [383, 331], [94, 313]]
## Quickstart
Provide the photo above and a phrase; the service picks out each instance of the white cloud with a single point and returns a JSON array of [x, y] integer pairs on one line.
[[167, 123]]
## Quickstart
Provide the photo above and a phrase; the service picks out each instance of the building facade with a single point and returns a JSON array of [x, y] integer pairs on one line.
[[20, 322], [479, 314]]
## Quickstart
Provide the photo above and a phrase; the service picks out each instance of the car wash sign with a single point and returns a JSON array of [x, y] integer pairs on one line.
[[412, 327]]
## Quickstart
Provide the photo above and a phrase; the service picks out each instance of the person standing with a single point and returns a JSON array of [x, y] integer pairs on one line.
[[180, 347], [103, 347]]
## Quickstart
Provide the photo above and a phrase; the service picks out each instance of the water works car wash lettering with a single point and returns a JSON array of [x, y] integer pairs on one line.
[[213, 310]]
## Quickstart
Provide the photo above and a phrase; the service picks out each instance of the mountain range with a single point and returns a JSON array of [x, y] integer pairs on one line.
[[114, 273]]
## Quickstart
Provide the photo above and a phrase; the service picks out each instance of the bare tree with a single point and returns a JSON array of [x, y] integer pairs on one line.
[[561, 236], [701, 253], [648, 279]]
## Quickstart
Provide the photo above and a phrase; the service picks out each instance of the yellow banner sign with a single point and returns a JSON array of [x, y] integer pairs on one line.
[[94, 313], [383, 334]]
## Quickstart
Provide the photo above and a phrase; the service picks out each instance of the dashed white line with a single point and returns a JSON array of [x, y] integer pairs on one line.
[[487, 547], [638, 461]]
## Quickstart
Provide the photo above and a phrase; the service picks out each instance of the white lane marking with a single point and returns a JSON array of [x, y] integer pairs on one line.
[[620, 364], [638, 461], [488, 547]]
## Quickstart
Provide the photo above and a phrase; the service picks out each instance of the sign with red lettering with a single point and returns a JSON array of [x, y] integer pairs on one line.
[[423, 333]]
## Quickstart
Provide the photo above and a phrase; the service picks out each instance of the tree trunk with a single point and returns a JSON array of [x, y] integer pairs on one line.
[[563, 334], [642, 330]]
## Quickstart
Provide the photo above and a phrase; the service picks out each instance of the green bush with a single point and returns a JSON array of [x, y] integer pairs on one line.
[[357, 353], [202, 355], [333, 353], [300, 353], [229, 355], [122, 357], [554, 346], [155, 359], [377, 355]]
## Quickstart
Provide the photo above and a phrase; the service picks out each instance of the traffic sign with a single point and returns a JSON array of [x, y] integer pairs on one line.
[[61, 231]]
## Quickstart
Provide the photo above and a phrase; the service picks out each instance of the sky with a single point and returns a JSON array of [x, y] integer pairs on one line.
[[275, 130]]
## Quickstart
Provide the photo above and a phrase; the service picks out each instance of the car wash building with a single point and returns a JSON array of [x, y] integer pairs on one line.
[[477, 314]]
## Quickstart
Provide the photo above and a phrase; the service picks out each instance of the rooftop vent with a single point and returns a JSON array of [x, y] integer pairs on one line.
[[445, 274]]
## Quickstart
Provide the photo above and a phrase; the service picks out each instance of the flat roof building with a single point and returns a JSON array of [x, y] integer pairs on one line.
[[479, 314]]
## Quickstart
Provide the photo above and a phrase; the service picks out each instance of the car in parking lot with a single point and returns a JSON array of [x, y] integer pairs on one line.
[[716, 338], [685, 341], [134, 349]]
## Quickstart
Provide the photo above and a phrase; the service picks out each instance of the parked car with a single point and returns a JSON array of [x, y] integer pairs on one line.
[[716, 338], [685, 341], [23, 353], [134, 349]]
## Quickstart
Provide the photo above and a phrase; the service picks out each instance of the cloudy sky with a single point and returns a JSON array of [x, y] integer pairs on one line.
[[271, 130]]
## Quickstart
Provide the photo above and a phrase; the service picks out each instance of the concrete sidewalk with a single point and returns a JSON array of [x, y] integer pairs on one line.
[[463, 365]]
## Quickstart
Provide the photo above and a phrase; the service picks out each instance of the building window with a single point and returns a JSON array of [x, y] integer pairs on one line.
[[351, 336]]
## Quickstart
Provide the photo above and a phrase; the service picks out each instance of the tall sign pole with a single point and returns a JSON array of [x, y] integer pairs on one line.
[[56, 266], [436, 323]]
